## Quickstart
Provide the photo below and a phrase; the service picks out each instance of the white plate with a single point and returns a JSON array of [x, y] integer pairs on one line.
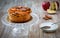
[[52, 28]]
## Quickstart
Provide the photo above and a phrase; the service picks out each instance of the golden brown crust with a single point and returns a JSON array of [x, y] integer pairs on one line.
[[19, 9], [19, 14]]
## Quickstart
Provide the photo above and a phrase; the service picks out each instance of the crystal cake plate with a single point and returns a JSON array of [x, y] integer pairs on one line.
[[20, 29]]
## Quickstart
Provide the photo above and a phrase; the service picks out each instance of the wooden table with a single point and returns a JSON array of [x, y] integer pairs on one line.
[[41, 34], [38, 33]]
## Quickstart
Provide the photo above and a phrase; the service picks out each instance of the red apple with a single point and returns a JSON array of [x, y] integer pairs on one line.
[[45, 5], [57, 3]]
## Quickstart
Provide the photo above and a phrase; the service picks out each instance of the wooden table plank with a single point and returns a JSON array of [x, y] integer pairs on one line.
[[58, 31], [41, 34], [35, 32]]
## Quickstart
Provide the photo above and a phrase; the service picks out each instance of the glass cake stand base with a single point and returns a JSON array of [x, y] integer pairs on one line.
[[18, 30]]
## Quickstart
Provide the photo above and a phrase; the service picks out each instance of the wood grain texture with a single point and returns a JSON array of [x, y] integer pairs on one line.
[[36, 31]]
